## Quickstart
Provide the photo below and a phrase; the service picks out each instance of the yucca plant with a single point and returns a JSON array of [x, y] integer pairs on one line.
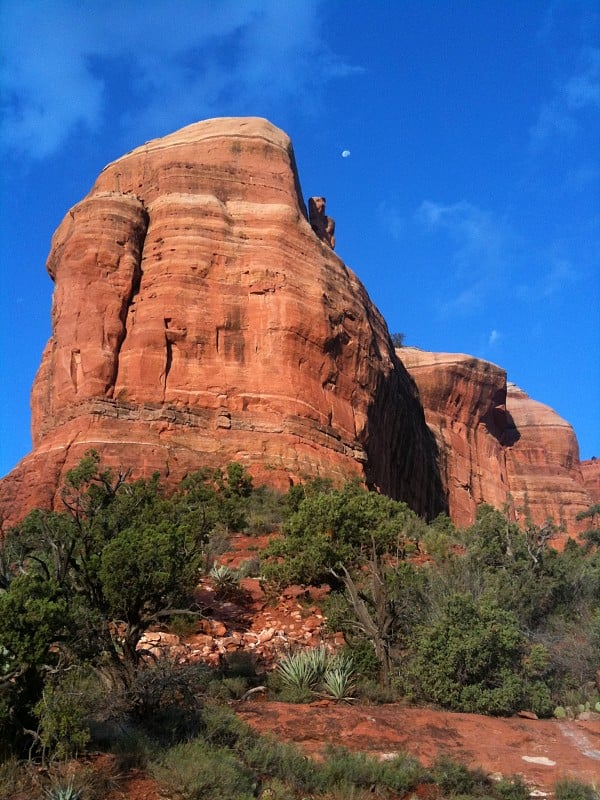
[[318, 658], [338, 680], [65, 792], [301, 670], [224, 578]]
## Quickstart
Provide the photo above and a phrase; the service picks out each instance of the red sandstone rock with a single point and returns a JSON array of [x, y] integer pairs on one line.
[[496, 444], [321, 224], [198, 319], [591, 478]]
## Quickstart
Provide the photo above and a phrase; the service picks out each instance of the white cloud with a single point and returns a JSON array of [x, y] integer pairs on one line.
[[391, 219], [560, 275], [480, 242], [494, 337], [560, 116], [172, 63], [479, 238]]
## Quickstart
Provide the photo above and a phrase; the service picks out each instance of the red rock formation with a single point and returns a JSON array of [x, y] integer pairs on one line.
[[591, 478], [198, 319], [496, 444], [321, 224]]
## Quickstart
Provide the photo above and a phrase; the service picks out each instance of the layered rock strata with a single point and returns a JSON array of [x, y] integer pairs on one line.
[[496, 444], [591, 478], [198, 319]]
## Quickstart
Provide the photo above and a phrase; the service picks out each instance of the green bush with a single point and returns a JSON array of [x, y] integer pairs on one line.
[[196, 771], [64, 712], [471, 658], [568, 789], [455, 778]]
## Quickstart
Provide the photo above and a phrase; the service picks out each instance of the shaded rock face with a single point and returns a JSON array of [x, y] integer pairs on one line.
[[496, 444], [198, 319], [321, 224]]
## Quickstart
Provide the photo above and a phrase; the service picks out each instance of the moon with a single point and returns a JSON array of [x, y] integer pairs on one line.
[[345, 153]]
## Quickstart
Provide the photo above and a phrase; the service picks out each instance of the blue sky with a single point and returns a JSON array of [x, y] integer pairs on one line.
[[469, 203]]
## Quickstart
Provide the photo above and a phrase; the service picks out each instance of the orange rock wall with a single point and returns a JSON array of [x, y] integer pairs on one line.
[[198, 319], [496, 444]]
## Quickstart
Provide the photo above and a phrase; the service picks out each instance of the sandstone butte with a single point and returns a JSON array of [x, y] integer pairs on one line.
[[497, 445], [199, 318]]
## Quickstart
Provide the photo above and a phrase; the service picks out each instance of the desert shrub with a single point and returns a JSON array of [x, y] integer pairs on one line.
[[305, 673], [266, 509], [344, 526], [267, 756], [133, 749], [225, 580], [64, 712], [455, 778], [343, 769], [512, 789], [569, 789], [225, 689], [76, 781], [470, 659], [196, 771], [183, 625], [17, 777]]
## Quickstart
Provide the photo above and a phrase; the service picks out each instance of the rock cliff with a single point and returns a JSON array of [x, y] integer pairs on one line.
[[496, 444], [198, 318], [591, 478]]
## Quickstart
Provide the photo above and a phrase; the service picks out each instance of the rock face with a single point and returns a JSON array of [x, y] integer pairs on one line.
[[321, 224], [591, 478], [496, 444], [198, 319]]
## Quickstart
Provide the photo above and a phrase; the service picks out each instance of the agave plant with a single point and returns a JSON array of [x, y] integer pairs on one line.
[[224, 578], [67, 792]]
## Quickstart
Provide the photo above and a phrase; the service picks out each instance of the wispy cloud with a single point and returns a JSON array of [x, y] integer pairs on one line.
[[479, 237], [391, 219], [494, 337], [560, 115], [171, 62], [479, 241]]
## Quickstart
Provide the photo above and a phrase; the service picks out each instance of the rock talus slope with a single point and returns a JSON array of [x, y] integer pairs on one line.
[[198, 319], [496, 444]]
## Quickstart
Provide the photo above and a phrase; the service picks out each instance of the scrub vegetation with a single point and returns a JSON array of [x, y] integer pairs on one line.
[[489, 619]]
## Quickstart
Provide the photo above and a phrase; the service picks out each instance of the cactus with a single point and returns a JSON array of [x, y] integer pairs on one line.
[[559, 712]]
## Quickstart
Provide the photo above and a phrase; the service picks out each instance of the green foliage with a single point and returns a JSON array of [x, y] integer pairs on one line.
[[64, 792], [225, 579], [568, 789], [304, 673], [470, 659], [197, 771], [64, 711], [302, 670], [338, 679], [344, 526], [455, 778], [84, 585]]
